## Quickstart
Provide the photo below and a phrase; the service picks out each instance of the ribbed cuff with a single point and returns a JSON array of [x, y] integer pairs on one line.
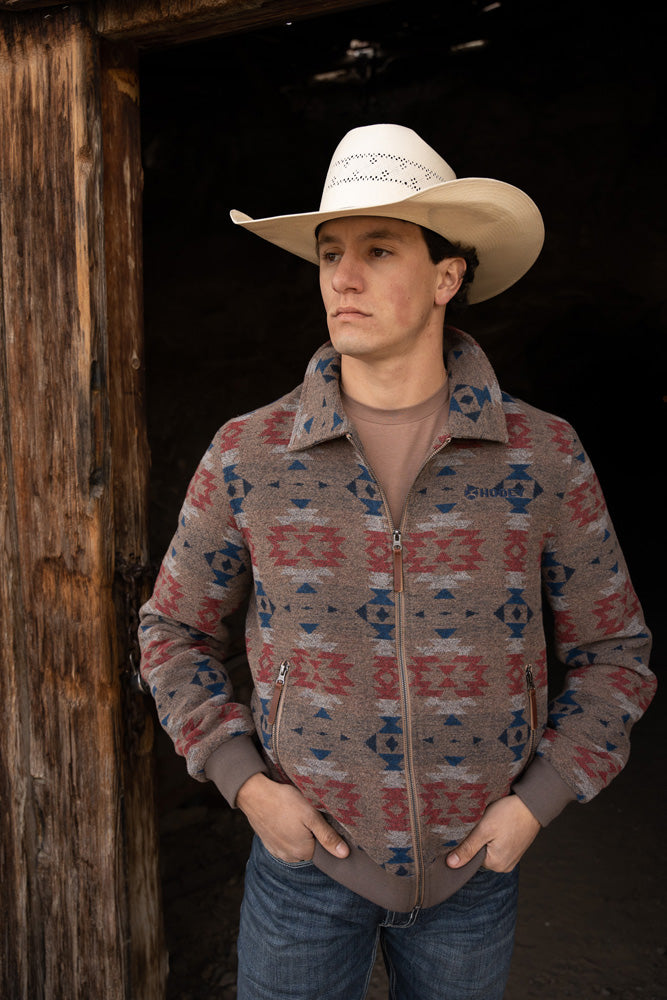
[[232, 764], [543, 791]]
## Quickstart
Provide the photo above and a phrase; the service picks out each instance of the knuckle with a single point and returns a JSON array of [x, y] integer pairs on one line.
[[326, 834]]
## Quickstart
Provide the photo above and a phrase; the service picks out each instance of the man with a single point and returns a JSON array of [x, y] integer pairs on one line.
[[386, 530]]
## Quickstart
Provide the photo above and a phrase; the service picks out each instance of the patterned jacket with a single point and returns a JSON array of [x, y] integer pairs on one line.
[[399, 670]]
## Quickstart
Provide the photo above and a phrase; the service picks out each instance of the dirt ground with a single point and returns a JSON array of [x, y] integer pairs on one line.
[[592, 904]]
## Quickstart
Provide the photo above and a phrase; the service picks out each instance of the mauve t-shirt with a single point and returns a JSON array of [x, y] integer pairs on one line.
[[396, 443]]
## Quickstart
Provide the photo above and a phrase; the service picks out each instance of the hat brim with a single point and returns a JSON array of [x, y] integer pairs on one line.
[[499, 220]]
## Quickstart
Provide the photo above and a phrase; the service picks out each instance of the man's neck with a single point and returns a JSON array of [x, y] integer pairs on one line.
[[395, 384]]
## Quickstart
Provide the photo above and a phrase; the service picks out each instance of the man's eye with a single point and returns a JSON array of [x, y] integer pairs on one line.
[[329, 256], [379, 252]]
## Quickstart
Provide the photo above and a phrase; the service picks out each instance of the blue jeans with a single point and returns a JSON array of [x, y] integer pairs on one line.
[[305, 937]]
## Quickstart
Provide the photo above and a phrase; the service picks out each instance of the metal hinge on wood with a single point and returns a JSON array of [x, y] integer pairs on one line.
[[132, 579]]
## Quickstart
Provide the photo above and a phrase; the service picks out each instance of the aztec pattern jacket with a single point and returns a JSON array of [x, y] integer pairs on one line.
[[399, 670]]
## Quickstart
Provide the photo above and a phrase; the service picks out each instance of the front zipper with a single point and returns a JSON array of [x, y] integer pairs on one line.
[[532, 710], [397, 559], [397, 549]]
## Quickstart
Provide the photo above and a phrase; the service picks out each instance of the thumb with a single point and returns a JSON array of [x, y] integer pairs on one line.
[[467, 849], [327, 837]]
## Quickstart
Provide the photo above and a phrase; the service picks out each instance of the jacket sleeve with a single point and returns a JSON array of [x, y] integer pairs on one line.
[[601, 638], [186, 627]]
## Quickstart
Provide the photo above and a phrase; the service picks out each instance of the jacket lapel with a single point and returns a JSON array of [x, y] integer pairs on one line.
[[475, 411]]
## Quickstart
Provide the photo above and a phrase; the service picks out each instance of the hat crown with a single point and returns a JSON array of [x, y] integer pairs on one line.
[[390, 172], [380, 164]]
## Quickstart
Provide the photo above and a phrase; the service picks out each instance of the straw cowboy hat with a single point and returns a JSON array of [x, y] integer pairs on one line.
[[388, 170]]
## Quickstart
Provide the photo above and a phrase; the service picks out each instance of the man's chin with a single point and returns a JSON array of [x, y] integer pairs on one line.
[[351, 344]]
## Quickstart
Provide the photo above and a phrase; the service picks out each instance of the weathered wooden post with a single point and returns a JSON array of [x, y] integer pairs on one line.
[[79, 887], [80, 900], [122, 195]]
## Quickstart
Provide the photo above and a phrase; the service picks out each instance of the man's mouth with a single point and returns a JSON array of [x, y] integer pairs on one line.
[[349, 311]]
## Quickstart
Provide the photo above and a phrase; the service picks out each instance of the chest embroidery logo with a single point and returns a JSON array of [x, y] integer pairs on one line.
[[479, 492]]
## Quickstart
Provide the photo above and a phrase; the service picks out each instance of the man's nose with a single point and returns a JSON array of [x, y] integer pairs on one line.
[[347, 275]]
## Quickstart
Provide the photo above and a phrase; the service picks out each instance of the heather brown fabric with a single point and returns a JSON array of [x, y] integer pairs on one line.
[[408, 702]]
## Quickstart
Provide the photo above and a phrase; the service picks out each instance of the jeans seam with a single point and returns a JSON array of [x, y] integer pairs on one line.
[[371, 965], [391, 973], [287, 864]]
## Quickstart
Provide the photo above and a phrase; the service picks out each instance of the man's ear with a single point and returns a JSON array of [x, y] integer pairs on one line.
[[450, 271]]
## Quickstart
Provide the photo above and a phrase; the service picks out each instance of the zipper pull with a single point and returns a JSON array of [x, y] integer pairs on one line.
[[277, 692], [397, 548], [532, 697]]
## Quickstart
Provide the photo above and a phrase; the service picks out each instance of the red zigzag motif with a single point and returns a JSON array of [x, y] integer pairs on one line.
[[317, 545], [168, 593], [442, 803], [463, 676], [202, 489], [586, 502], [518, 428], [430, 552], [337, 797], [612, 611]]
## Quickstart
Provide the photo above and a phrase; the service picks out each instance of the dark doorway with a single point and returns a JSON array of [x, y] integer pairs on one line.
[[563, 100]]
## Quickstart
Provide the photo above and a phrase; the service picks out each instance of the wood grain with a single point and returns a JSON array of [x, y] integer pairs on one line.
[[123, 188], [65, 852], [162, 22]]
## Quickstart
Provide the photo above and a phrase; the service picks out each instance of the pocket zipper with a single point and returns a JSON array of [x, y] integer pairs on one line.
[[278, 689], [532, 707]]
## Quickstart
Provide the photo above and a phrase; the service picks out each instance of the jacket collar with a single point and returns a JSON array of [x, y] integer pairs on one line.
[[475, 405]]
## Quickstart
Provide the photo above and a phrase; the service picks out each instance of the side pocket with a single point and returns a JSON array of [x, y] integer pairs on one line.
[[273, 717], [291, 865], [532, 712]]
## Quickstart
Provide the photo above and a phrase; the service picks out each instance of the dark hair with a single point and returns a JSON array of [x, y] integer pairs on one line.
[[439, 248]]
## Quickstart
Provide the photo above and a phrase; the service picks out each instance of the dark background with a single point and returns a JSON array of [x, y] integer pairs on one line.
[[565, 101]]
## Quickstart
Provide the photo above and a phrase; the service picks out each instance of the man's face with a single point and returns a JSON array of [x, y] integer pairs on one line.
[[381, 292]]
